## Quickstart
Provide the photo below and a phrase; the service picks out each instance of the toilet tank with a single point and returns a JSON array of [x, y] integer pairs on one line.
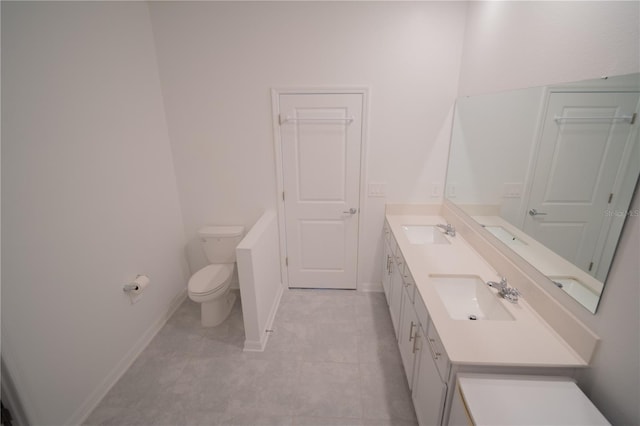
[[219, 242]]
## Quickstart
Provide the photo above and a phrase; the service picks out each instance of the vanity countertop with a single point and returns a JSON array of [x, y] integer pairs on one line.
[[527, 400], [528, 341]]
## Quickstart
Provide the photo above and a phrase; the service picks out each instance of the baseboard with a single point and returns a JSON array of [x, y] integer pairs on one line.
[[258, 346], [370, 287], [80, 416], [255, 345]]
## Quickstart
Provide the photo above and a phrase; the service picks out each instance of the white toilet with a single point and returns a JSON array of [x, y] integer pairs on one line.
[[210, 285]]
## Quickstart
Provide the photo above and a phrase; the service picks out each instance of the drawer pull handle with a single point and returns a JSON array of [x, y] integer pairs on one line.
[[415, 341], [411, 336]]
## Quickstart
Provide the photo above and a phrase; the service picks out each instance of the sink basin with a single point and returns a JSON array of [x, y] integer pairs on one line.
[[579, 291], [504, 235], [468, 297], [424, 234]]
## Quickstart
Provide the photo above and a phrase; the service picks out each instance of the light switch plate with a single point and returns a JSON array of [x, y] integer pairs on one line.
[[512, 190], [377, 189]]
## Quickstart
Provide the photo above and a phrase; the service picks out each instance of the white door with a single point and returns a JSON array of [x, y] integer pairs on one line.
[[321, 137], [580, 155]]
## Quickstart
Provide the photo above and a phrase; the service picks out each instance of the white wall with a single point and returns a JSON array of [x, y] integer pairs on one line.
[[258, 256], [218, 62], [89, 200], [512, 45]]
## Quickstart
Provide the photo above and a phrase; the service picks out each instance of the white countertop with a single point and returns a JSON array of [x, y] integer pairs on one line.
[[526, 400], [526, 341]]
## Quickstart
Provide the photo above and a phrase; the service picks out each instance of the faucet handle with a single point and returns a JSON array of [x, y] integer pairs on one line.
[[511, 294], [451, 229], [498, 285], [448, 229]]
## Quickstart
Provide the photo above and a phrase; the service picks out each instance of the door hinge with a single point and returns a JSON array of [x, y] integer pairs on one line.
[[633, 118], [286, 261], [590, 266], [610, 198], [282, 195]]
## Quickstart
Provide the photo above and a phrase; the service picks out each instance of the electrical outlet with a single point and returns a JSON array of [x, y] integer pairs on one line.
[[436, 189], [451, 190]]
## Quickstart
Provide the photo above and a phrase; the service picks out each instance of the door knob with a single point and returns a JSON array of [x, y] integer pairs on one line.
[[351, 211], [534, 212]]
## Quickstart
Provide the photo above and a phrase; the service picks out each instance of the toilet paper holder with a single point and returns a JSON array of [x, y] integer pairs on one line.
[[132, 286]]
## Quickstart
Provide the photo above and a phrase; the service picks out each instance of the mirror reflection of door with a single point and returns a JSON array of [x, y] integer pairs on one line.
[[584, 150]]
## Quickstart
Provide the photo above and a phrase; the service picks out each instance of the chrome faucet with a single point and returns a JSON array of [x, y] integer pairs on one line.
[[448, 229], [509, 293]]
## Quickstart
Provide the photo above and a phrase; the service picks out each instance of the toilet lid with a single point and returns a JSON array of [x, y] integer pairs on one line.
[[210, 278]]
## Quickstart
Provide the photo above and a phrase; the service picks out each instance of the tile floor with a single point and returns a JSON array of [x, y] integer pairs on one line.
[[331, 360]]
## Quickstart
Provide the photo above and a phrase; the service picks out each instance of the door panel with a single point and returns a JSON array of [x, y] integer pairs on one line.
[[322, 157], [577, 165], [321, 142], [315, 236]]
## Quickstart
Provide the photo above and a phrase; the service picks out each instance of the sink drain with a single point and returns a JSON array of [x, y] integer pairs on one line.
[[473, 317]]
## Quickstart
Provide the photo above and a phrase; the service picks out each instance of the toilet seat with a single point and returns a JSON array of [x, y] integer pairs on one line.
[[210, 279]]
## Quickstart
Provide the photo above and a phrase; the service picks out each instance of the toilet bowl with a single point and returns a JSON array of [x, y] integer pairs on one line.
[[210, 286]]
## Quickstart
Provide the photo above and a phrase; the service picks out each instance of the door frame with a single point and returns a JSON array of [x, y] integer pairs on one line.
[[277, 146]]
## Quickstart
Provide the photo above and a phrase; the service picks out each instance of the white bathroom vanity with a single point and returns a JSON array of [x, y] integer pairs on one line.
[[449, 322]]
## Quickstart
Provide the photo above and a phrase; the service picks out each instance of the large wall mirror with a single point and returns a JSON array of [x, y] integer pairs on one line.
[[550, 172]]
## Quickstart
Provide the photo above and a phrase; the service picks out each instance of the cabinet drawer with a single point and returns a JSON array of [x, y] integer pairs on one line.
[[398, 254], [437, 351], [386, 231], [409, 284], [421, 310], [400, 263], [393, 247]]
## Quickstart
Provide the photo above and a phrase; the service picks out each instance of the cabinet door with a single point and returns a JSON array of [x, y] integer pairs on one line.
[[395, 299], [409, 327], [429, 392], [459, 416], [387, 260]]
